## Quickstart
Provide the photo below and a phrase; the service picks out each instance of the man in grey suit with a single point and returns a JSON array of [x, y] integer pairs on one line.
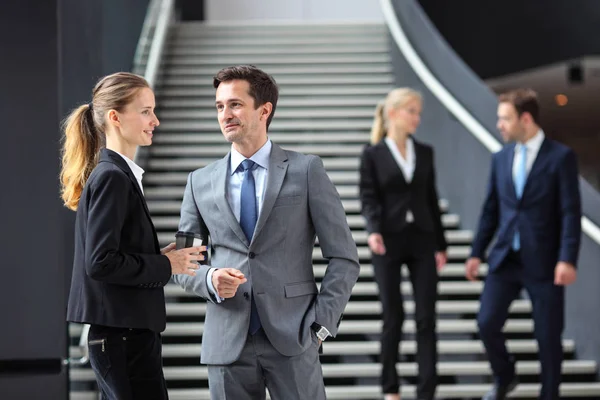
[[262, 207]]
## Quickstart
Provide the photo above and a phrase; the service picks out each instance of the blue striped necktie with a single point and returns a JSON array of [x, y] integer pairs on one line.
[[248, 218]]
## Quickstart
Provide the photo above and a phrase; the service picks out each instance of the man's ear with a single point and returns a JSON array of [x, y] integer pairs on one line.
[[526, 118], [266, 110]]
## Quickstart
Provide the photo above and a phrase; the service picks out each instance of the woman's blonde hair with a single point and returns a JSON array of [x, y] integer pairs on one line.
[[396, 98], [85, 131]]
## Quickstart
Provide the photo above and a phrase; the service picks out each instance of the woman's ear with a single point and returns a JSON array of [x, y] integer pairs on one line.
[[113, 118]]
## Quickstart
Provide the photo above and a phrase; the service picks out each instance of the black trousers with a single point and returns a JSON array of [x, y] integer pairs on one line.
[[127, 363], [416, 249]]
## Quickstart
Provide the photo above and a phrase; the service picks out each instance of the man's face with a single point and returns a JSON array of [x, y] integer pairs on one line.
[[509, 123], [240, 121]]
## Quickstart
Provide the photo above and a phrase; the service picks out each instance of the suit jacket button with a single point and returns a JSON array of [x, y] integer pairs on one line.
[[246, 296], [251, 255]]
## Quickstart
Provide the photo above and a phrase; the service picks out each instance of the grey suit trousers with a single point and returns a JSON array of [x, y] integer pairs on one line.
[[261, 366]]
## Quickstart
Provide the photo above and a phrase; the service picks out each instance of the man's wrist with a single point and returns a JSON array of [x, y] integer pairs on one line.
[[321, 332]]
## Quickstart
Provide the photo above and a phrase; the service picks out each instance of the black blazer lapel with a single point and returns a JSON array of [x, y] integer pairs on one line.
[[112, 157], [421, 162], [538, 163], [509, 182], [390, 164]]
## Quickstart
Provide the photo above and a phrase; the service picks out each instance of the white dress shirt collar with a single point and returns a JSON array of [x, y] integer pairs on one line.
[[533, 144], [261, 157], [138, 172]]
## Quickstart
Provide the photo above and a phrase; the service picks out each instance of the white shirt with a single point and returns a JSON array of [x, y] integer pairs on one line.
[[138, 172], [533, 147], [234, 188], [236, 177], [407, 166]]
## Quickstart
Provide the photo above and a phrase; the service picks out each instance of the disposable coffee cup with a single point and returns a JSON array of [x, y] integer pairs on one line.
[[191, 239]]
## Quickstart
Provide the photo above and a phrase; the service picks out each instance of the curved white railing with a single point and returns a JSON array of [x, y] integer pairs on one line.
[[449, 101]]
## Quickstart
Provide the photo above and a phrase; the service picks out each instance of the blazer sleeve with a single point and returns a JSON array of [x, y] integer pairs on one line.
[[191, 221], [570, 209], [337, 246], [370, 195], [434, 205], [107, 210], [488, 221]]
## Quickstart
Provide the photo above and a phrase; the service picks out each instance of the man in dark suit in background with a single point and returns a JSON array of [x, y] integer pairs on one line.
[[533, 206]]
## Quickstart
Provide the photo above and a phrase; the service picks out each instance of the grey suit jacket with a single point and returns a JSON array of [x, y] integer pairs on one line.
[[300, 203]]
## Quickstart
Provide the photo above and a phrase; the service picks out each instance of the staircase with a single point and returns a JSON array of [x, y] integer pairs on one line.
[[331, 78]]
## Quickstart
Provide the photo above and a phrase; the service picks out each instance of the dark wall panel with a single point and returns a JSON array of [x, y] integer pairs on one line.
[[514, 35]]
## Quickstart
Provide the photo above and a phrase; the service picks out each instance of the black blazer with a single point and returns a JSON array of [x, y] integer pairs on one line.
[[118, 271], [386, 196]]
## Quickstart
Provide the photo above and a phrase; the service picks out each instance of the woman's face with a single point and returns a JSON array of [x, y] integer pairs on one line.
[[407, 117], [137, 121]]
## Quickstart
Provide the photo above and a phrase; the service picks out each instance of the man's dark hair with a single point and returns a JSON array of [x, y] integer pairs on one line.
[[524, 101], [263, 88]]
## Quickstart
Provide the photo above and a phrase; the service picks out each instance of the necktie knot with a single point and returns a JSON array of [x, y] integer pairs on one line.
[[248, 164]]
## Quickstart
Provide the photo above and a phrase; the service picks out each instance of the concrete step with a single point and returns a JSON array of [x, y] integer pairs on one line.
[[285, 82], [372, 392], [180, 178], [258, 49], [365, 308], [354, 221], [212, 125], [311, 91], [221, 150], [267, 60], [200, 42], [345, 192], [351, 206], [282, 71], [248, 29], [370, 289], [209, 113], [348, 327], [334, 100], [372, 370], [346, 348], [189, 164]]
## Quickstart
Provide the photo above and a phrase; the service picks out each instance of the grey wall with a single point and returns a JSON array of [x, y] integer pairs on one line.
[[463, 163], [306, 10], [32, 291], [53, 53]]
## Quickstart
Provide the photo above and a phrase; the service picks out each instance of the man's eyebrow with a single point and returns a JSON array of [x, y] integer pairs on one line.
[[229, 100]]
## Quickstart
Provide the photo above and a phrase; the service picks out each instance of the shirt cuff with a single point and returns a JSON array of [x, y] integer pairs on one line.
[[211, 288]]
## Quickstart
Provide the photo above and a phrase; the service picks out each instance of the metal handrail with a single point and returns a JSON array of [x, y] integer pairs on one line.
[[449, 101], [154, 32]]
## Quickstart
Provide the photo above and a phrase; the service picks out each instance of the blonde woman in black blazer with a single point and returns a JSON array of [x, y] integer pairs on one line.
[[119, 270], [400, 205]]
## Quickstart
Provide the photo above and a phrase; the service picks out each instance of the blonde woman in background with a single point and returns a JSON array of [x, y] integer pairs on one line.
[[400, 205]]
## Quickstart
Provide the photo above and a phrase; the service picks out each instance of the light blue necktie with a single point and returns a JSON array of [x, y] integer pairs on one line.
[[520, 179], [248, 218]]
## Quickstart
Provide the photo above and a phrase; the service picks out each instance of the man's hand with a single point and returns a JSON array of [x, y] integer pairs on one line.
[[226, 281], [375, 241], [441, 258], [472, 268], [564, 273], [185, 261]]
